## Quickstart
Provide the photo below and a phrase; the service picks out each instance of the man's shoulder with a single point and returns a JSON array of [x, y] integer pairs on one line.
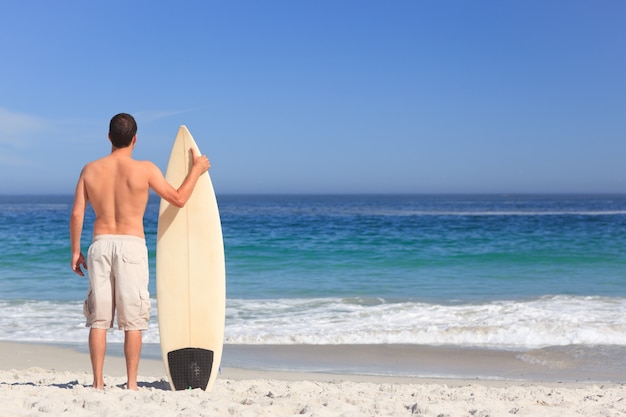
[[104, 161], [145, 169], [147, 165], [127, 167], [91, 165]]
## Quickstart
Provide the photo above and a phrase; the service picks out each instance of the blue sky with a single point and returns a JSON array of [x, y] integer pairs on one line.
[[322, 96]]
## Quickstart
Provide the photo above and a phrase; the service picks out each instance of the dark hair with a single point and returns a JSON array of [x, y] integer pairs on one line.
[[122, 129]]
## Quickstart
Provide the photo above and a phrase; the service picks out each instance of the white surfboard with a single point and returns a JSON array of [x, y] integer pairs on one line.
[[191, 279]]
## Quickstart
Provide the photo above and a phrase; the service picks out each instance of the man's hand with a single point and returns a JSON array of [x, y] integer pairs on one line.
[[77, 262], [200, 162]]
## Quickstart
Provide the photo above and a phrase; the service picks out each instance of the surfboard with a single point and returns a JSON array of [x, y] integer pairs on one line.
[[191, 278]]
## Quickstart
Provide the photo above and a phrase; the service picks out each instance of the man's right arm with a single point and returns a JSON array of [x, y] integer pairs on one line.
[[178, 197], [76, 225]]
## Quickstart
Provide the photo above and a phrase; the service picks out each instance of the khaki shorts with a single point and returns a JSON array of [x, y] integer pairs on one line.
[[118, 280]]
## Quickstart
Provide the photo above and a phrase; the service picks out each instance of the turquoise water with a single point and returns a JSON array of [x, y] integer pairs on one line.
[[500, 271], [425, 248]]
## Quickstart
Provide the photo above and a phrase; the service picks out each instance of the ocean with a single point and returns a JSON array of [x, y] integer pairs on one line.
[[511, 272]]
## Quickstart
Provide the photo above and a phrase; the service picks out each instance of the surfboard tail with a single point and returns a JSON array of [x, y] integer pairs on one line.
[[190, 368]]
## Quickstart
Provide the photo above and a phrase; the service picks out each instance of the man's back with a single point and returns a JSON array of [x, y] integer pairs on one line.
[[118, 188]]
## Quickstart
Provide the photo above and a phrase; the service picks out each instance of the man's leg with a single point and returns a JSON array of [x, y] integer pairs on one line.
[[97, 350], [132, 352]]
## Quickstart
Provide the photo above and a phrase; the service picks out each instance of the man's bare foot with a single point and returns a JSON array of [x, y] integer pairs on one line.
[[132, 387], [98, 385]]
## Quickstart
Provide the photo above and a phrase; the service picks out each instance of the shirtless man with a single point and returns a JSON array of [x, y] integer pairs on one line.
[[117, 187]]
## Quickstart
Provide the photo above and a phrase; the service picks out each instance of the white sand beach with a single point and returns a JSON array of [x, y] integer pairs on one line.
[[50, 380]]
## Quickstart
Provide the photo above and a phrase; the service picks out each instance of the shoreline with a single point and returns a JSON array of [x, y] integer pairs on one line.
[[368, 363], [44, 379]]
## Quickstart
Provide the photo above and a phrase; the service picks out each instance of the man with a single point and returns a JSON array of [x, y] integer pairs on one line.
[[117, 186]]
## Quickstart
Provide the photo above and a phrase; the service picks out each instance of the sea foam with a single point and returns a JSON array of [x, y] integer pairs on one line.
[[514, 325]]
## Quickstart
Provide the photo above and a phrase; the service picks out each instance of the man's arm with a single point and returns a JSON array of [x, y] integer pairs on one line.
[[76, 226], [178, 197]]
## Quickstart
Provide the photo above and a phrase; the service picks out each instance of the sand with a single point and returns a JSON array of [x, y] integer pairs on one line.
[[53, 380]]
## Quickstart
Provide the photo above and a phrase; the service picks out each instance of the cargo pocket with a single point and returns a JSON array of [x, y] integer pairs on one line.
[[88, 307], [144, 309]]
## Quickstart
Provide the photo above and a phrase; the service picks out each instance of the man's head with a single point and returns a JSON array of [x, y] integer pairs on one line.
[[122, 130]]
